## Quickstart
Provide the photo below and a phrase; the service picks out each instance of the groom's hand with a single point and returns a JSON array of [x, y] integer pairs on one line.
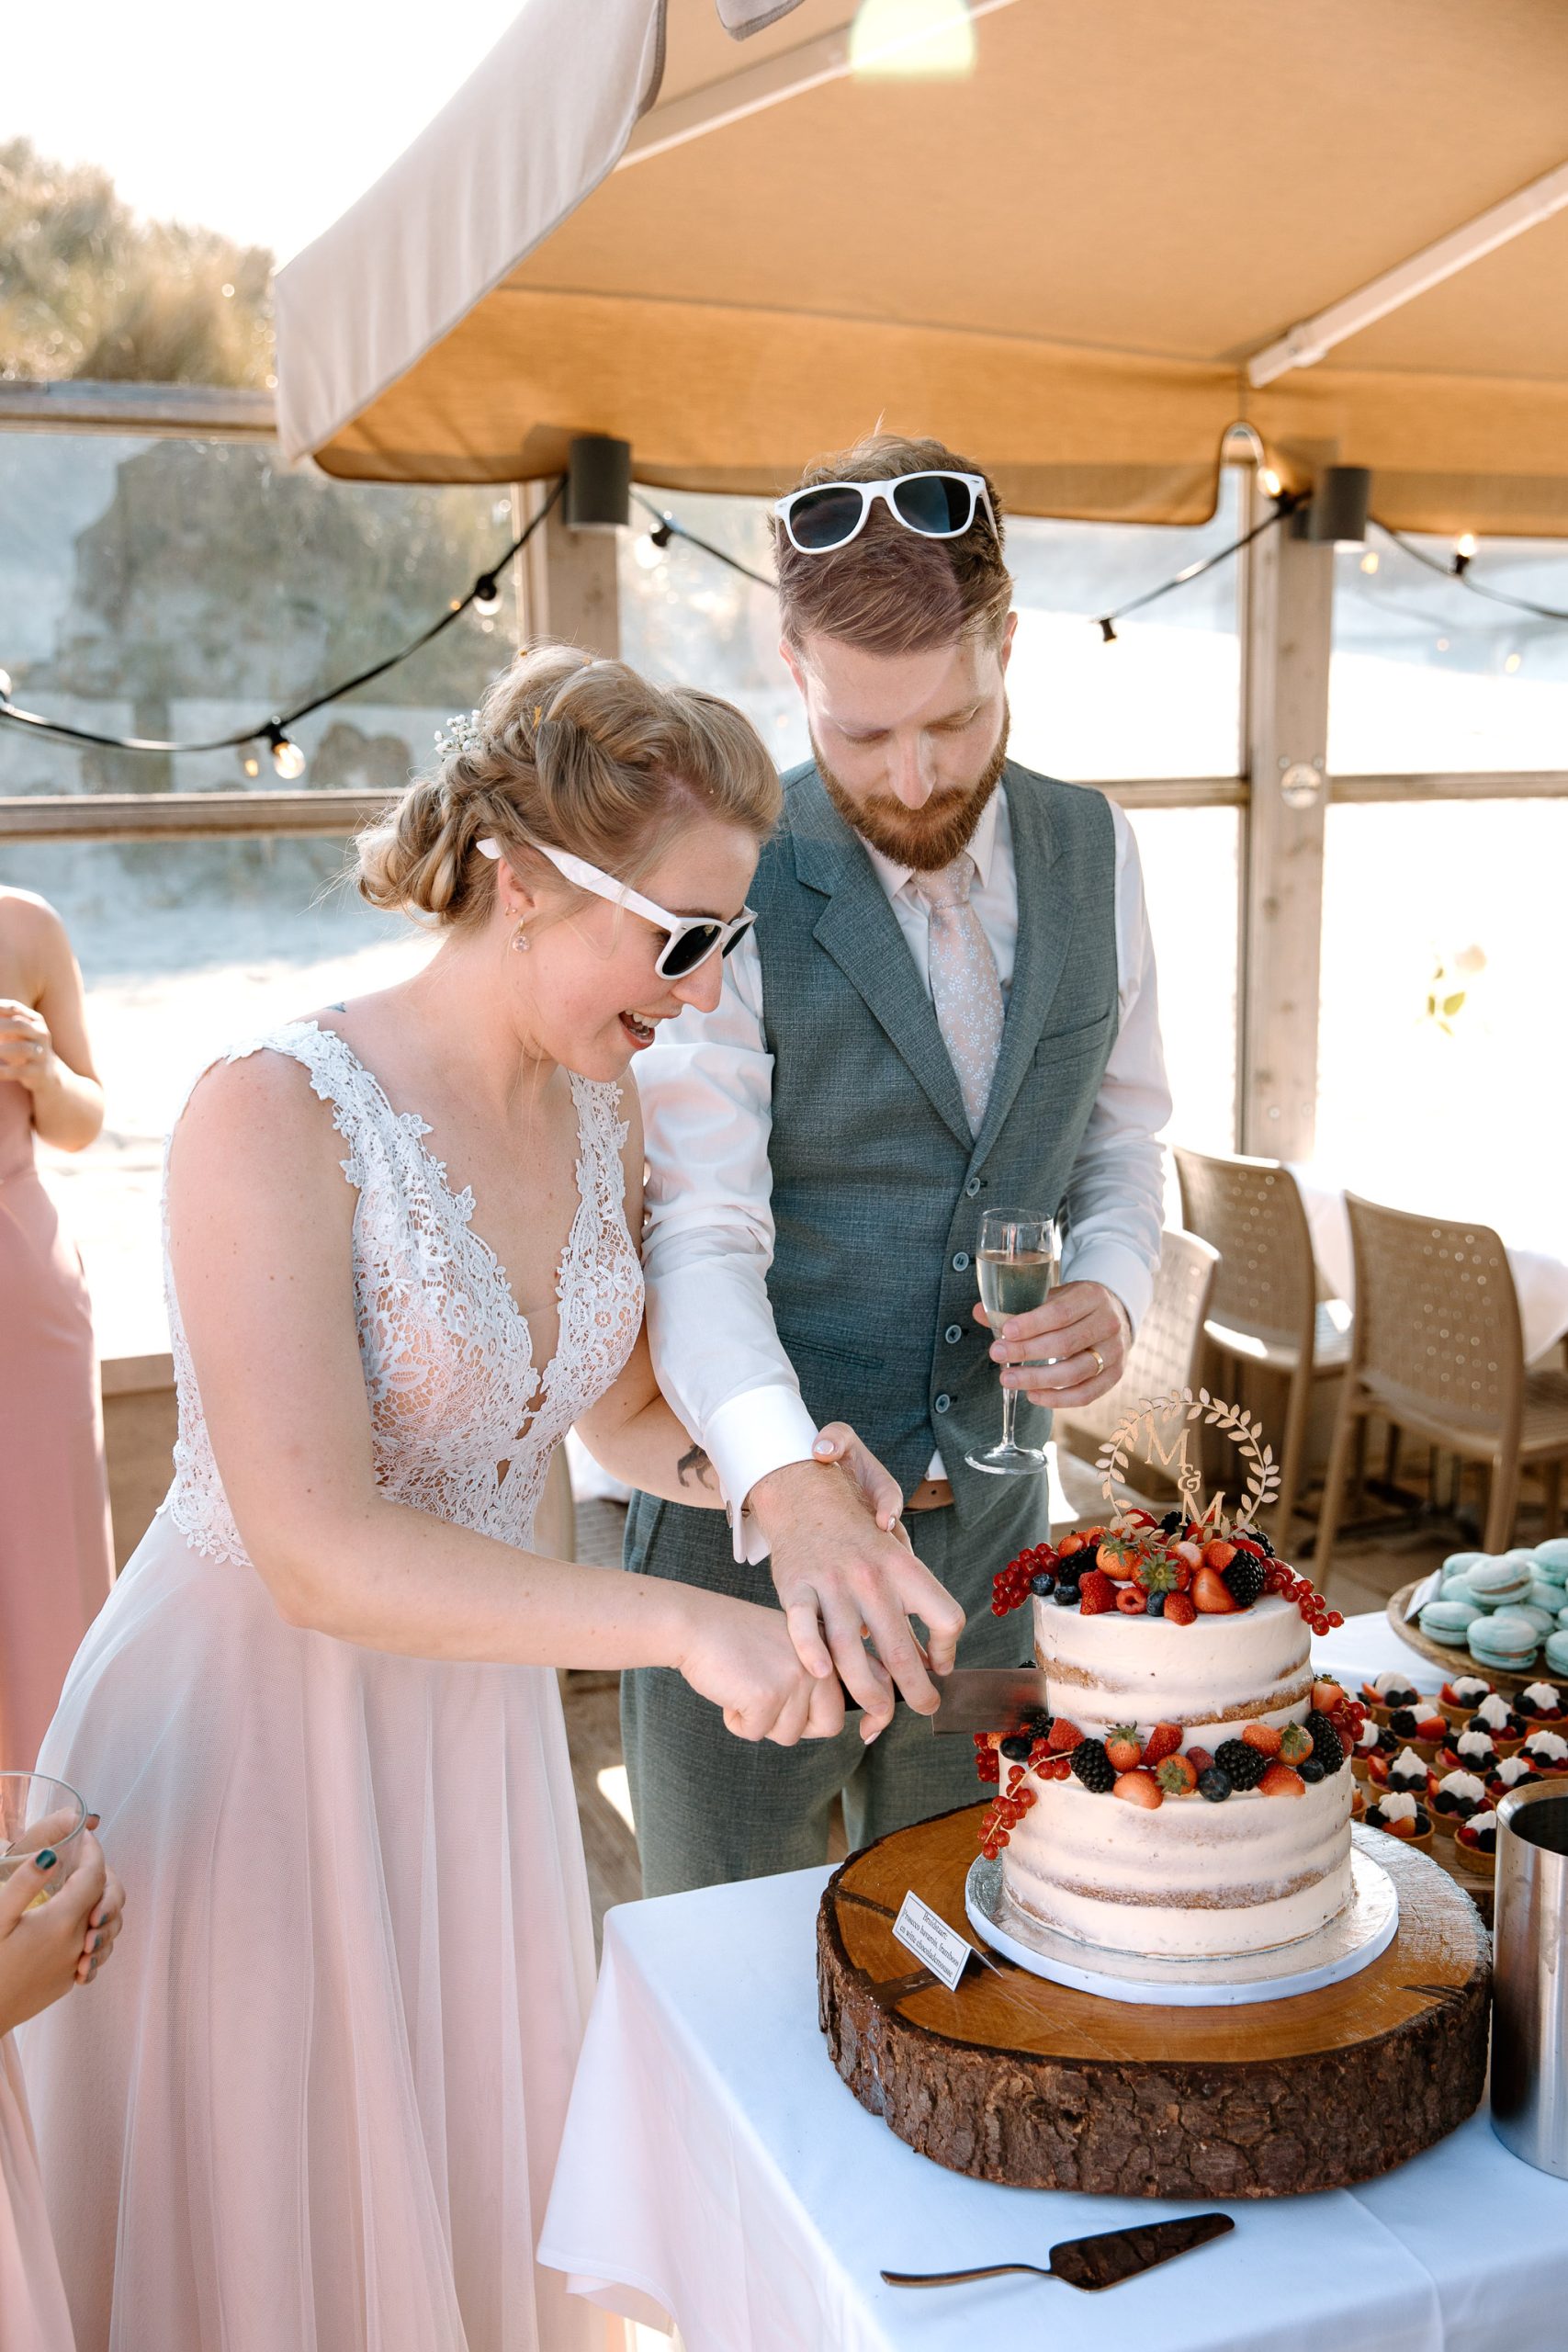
[[840, 1578], [1066, 1352]]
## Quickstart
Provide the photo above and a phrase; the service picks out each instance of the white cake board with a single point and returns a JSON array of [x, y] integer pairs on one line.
[[1352, 1940]]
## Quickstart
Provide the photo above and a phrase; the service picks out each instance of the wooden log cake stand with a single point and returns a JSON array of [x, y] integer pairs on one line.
[[1010, 2078]]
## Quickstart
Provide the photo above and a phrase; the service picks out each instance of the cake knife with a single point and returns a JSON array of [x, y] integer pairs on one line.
[[1100, 2261], [989, 1698]]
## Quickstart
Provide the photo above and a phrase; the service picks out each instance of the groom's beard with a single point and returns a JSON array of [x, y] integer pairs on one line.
[[926, 838]]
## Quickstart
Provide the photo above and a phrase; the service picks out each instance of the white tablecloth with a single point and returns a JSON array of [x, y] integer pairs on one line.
[[715, 2168], [1529, 1214]]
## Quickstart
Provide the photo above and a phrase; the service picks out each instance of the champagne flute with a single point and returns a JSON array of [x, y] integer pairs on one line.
[[36, 1812], [1020, 1262]]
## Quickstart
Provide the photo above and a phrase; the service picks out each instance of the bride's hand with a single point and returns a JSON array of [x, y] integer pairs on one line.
[[741, 1657], [877, 1488]]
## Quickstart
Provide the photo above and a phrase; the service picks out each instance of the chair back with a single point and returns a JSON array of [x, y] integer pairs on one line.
[[1251, 1212], [1437, 1319], [1164, 1357]]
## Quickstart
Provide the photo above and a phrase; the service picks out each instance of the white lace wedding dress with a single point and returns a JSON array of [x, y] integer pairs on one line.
[[314, 2103]]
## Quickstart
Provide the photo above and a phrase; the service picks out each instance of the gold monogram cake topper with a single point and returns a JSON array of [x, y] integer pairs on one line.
[[1153, 1419]]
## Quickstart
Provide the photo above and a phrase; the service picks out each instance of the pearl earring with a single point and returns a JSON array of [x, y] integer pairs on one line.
[[520, 939]]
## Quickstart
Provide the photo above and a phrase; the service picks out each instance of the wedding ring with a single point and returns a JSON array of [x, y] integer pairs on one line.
[[1099, 1361]]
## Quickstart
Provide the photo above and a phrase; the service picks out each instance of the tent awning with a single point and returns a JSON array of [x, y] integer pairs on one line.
[[1059, 260]]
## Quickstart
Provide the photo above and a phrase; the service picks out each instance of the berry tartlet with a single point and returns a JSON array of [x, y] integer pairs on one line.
[[1400, 1816], [1512, 1773], [1476, 1839], [1548, 1751], [1420, 1727], [1387, 1692], [1506, 1726], [1471, 1750], [1542, 1703], [1403, 1770], [1456, 1797], [1373, 1739], [1460, 1698]]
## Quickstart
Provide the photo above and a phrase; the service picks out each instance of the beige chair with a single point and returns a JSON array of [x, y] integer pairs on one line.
[[1266, 1311], [1164, 1357], [1438, 1350]]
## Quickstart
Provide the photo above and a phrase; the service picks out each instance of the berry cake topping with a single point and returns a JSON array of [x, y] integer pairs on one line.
[[1178, 1571]]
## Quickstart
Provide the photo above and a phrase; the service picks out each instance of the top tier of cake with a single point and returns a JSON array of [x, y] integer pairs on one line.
[[1213, 1676]]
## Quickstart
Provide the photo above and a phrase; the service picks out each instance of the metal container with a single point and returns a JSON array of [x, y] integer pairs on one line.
[[1530, 1977]]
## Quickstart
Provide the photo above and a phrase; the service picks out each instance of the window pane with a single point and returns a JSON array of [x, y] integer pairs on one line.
[[1438, 1081], [1429, 679], [1163, 701], [1190, 879], [185, 589], [186, 947]]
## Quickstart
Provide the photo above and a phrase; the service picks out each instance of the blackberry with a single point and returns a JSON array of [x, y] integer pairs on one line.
[[1214, 1784], [1093, 1767], [1016, 1747], [1037, 1721], [1155, 1605], [1326, 1744], [1244, 1767], [1043, 1582], [1312, 1770], [1244, 1579], [1174, 1523]]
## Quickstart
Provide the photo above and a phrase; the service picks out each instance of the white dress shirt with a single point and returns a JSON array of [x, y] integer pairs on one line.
[[706, 1090]]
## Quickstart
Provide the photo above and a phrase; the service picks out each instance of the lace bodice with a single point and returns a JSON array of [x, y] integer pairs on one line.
[[464, 1422]]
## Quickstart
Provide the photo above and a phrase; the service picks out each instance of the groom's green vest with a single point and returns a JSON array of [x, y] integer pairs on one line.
[[878, 1183]]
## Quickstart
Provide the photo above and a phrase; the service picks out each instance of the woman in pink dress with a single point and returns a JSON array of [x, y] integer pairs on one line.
[[321, 2100], [56, 1557]]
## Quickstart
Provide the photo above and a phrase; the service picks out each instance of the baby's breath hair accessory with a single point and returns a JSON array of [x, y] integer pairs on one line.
[[461, 733]]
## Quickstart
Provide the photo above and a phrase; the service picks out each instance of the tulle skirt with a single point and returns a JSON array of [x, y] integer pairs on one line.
[[314, 2103]]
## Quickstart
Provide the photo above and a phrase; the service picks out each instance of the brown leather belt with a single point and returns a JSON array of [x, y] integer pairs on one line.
[[932, 1494]]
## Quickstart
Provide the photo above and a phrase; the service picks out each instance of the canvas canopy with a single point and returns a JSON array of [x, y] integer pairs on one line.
[[1059, 252]]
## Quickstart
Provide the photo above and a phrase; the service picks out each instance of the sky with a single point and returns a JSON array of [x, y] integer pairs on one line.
[[262, 123]]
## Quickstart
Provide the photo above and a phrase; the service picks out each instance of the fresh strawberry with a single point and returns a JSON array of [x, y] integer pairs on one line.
[[1212, 1596], [1199, 1758], [1138, 1788], [1178, 1609], [1116, 1556], [1176, 1776], [1280, 1782], [1164, 1740], [1064, 1736], [1326, 1696], [1096, 1594], [1124, 1746], [1295, 1743], [1218, 1554], [1130, 1600], [1268, 1739], [1191, 1553], [1070, 1546], [1432, 1727]]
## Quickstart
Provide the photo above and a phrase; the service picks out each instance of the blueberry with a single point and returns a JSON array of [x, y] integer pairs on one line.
[[1067, 1596], [1043, 1582], [1016, 1747], [1214, 1784], [1312, 1770], [1154, 1606]]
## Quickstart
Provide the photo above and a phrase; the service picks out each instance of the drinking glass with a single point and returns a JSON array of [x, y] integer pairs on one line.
[[36, 1813], [1019, 1262]]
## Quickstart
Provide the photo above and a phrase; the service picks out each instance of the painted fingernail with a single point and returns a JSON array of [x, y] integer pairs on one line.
[[47, 1860]]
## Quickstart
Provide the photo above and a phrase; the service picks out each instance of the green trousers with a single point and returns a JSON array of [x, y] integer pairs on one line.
[[710, 1808]]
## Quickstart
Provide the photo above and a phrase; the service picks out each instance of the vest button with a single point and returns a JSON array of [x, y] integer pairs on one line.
[[953, 1334], [941, 1404], [961, 1262], [973, 1187]]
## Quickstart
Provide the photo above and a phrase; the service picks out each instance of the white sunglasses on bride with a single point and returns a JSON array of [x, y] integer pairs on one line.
[[936, 505], [692, 938]]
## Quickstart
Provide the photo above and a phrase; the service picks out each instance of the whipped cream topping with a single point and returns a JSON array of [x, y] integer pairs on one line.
[[1515, 1769], [1385, 1684], [1544, 1695], [1369, 1735], [1547, 1746], [1477, 1745], [1469, 1689], [1493, 1712], [1462, 1784], [1407, 1766], [1396, 1806]]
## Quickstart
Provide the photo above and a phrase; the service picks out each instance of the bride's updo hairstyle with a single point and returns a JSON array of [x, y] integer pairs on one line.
[[575, 754]]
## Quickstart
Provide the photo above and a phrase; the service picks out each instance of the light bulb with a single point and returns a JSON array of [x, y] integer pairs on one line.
[[1465, 545], [487, 596], [1512, 662], [1442, 644], [1108, 629], [1370, 561], [645, 555], [1271, 481], [252, 768], [286, 756]]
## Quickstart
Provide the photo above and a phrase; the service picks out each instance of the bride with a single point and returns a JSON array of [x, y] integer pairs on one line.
[[317, 2106]]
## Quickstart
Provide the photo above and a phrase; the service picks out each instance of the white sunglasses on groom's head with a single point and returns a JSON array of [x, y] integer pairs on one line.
[[935, 505], [692, 938]]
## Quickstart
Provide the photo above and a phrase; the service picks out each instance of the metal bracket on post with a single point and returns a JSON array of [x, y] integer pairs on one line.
[[570, 590], [1289, 635]]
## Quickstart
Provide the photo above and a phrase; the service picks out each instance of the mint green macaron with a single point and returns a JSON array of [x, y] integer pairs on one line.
[[1552, 1559], [1557, 1651], [1496, 1583], [1448, 1621], [1506, 1638]]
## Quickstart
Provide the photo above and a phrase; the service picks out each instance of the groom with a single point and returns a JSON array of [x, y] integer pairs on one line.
[[947, 1004]]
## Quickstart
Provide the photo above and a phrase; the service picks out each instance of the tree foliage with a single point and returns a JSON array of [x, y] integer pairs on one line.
[[89, 290]]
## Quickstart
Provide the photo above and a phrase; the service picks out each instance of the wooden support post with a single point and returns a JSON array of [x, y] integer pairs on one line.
[[1289, 629], [568, 588]]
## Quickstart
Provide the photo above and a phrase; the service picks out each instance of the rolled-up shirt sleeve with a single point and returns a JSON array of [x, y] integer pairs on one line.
[[1116, 1192], [706, 1094]]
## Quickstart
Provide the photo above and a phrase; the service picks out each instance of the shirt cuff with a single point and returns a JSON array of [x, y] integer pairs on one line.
[[761, 1429], [1119, 1267]]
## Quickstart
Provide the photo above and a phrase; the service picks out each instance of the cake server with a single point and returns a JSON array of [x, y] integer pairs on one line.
[[1102, 2261], [989, 1698]]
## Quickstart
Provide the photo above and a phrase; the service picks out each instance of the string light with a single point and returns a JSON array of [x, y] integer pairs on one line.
[[1512, 662], [252, 767], [286, 756], [1370, 561], [1464, 548], [1271, 481], [487, 596], [1286, 502], [1107, 630]]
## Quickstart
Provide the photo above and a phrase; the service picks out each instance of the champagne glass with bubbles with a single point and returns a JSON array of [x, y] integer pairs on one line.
[[1020, 1262]]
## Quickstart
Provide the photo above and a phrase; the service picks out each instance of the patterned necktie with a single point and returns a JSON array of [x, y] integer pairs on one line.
[[965, 990]]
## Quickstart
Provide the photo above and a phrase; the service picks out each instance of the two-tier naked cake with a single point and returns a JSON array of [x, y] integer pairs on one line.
[[1186, 1794]]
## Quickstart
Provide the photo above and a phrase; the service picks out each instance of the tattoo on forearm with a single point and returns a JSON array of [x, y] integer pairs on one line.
[[697, 1461]]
